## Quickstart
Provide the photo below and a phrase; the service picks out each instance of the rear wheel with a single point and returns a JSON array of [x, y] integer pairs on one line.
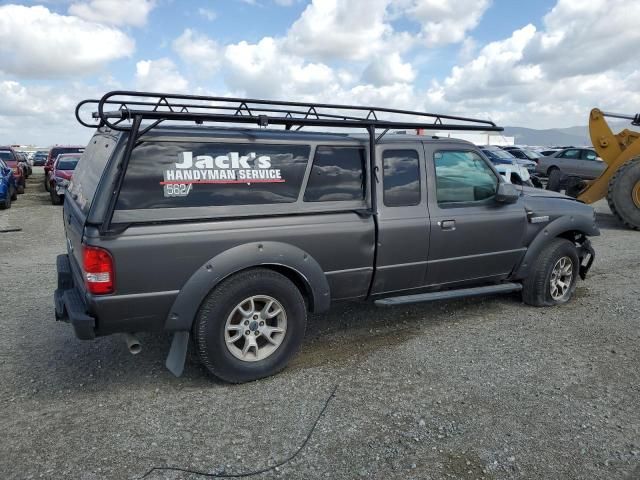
[[554, 183], [624, 194], [250, 326], [46, 183], [21, 188], [14, 194], [554, 275]]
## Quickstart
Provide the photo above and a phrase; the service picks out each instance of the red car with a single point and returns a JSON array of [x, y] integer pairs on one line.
[[10, 157], [53, 154], [60, 175]]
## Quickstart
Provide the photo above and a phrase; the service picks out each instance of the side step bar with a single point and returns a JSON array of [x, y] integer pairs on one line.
[[449, 294]]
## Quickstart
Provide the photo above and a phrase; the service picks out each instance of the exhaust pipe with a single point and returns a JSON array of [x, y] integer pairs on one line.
[[133, 344]]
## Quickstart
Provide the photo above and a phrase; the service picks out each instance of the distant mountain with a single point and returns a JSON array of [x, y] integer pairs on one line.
[[577, 136]]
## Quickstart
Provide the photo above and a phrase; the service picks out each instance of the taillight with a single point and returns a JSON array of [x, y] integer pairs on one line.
[[98, 270]]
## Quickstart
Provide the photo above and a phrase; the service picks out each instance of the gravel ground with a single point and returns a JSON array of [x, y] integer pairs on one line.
[[479, 388]]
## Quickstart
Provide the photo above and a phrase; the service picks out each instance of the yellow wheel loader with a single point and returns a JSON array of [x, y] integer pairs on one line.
[[620, 182]]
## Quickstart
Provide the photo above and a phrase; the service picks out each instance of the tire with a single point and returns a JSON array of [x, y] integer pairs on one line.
[[6, 203], [554, 183], [538, 288], [46, 183], [536, 182], [21, 189], [14, 194], [55, 198], [220, 311], [623, 195], [574, 185]]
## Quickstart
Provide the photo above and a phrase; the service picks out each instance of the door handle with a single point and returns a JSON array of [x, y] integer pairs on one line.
[[447, 224]]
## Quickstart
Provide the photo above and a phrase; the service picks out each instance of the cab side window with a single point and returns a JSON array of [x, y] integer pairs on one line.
[[462, 177], [401, 178], [589, 155]]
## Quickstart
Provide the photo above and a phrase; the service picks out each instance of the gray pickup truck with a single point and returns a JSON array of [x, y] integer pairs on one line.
[[230, 235]]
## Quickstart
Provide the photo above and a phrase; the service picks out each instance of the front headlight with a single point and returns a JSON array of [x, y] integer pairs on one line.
[[61, 182]]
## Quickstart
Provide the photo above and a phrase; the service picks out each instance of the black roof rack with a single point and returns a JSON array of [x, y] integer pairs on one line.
[[114, 108]]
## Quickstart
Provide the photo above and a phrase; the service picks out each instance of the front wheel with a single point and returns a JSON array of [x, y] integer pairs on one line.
[[6, 203], [55, 198], [250, 326], [553, 278]]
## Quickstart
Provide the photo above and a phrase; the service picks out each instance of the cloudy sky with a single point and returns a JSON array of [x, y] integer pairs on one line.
[[540, 63]]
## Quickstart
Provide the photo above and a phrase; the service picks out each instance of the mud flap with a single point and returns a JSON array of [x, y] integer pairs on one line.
[[178, 353], [586, 255]]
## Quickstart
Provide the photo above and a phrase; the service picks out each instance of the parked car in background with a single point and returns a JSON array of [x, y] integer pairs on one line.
[[507, 165], [23, 160], [9, 156], [40, 158], [524, 153], [60, 176], [550, 152], [579, 162], [53, 154], [8, 189]]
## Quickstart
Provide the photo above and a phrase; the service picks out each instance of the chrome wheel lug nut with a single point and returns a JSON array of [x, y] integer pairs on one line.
[[246, 322], [248, 332], [262, 324]]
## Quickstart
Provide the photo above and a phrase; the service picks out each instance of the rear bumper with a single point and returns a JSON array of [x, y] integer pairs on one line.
[[69, 304]]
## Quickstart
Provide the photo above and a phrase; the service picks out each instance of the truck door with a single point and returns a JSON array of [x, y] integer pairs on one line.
[[472, 236], [403, 218]]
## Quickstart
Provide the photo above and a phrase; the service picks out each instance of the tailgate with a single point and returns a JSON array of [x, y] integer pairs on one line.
[[74, 220]]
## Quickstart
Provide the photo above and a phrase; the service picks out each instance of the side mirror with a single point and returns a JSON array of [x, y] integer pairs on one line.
[[507, 193]]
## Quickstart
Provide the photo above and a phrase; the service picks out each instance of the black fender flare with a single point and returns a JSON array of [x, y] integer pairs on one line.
[[559, 226], [276, 254]]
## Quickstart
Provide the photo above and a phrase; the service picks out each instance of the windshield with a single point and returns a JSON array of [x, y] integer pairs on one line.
[[531, 154], [502, 154], [67, 163]]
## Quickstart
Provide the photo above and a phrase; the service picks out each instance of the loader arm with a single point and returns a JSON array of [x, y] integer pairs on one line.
[[614, 149]]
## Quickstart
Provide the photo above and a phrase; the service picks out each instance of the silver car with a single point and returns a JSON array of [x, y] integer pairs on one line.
[[581, 162]]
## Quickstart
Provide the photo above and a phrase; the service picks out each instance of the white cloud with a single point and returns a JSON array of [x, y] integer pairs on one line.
[[25, 109], [198, 51], [35, 42], [265, 70], [353, 30], [447, 21], [208, 13], [159, 75], [114, 12], [553, 76], [388, 69], [587, 37]]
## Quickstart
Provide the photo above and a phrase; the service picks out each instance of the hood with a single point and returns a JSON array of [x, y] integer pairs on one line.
[[540, 193], [526, 163], [66, 174]]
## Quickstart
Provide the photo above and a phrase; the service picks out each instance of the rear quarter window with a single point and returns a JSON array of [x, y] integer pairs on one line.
[[338, 174], [188, 174]]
